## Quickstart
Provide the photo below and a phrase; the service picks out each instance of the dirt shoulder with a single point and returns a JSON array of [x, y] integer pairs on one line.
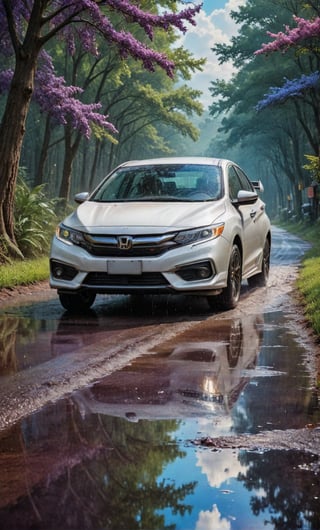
[[25, 293]]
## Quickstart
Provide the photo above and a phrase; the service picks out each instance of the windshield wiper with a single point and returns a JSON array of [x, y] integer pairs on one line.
[[153, 199]]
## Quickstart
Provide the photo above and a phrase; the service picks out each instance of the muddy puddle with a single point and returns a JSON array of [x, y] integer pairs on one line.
[[123, 453]]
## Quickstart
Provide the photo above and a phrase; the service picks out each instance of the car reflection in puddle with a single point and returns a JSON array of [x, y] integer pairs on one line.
[[185, 378], [105, 472]]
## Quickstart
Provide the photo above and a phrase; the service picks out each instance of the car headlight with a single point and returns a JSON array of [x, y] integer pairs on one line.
[[69, 235], [199, 235]]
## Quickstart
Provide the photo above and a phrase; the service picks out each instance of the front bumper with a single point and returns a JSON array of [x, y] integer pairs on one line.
[[194, 269]]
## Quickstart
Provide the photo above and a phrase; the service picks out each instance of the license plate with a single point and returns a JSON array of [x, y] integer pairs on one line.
[[124, 267]]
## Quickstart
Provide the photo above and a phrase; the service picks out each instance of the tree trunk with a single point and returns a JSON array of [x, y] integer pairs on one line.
[[69, 155], [93, 172], [44, 152], [12, 131], [12, 128]]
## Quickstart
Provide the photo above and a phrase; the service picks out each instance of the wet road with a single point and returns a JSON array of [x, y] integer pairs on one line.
[[140, 385]]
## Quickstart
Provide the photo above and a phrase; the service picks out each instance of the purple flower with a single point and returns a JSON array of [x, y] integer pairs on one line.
[[81, 21], [60, 102], [290, 89], [305, 29]]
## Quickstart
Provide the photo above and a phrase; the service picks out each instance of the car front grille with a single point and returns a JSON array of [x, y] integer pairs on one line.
[[108, 252], [147, 279], [129, 246]]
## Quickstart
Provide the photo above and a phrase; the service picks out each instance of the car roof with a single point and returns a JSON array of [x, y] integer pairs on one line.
[[203, 160]]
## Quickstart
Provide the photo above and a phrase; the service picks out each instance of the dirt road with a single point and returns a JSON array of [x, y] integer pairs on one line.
[[135, 334]]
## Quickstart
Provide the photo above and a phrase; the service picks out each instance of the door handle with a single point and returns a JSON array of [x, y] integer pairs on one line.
[[253, 213]]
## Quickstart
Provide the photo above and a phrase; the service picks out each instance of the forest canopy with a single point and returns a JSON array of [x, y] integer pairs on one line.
[[270, 108], [101, 70]]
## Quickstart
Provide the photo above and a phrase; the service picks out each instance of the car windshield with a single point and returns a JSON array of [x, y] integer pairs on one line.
[[179, 182]]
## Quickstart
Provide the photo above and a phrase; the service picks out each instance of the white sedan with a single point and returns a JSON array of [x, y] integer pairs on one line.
[[190, 225]]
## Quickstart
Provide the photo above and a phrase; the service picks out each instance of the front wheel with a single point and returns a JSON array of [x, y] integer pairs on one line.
[[77, 302], [260, 280], [230, 295]]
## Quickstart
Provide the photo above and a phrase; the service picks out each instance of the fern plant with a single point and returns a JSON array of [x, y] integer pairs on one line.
[[35, 219]]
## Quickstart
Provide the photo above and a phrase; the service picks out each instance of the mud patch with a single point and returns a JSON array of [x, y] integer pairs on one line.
[[305, 440]]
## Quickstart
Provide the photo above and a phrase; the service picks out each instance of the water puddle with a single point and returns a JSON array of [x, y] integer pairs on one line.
[[121, 454]]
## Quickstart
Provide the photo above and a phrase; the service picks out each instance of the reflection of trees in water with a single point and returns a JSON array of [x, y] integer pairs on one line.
[[11, 328], [127, 477], [8, 331], [289, 490], [283, 397], [102, 473]]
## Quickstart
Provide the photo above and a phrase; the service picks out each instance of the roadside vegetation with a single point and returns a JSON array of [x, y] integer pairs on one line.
[[24, 272], [35, 220], [309, 278], [308, 282]]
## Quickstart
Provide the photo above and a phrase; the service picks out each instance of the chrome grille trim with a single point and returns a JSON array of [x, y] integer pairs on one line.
[[108, 245]]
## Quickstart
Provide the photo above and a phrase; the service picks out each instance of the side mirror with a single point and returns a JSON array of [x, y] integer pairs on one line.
[[245, 197], [257, 184], [81, 197]]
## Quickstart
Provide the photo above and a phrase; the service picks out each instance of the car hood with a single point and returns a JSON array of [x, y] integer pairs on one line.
[[124, 218]]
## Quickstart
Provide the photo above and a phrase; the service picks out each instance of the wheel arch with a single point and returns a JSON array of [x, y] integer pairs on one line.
[[237, 241], [269, 238]]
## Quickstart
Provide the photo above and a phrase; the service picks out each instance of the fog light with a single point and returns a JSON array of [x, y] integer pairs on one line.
[[58, 272], [196, 271], [62, 271], [203, 272]]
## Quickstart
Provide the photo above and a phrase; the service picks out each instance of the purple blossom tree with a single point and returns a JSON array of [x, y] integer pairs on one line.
[[25, 30], [300, 36], [306, 29], [291, 89], [59, 101], [304, 37]]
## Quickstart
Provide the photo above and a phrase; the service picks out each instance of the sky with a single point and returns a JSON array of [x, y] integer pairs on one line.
[[214, 25]]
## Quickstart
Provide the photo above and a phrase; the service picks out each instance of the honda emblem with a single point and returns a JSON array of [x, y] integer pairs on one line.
[[124, 242]]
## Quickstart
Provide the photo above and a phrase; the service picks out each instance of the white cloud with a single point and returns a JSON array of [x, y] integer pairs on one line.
[[208, 520], [219, 468], [213, 27]]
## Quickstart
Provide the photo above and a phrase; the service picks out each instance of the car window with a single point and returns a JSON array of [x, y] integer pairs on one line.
[[245, 182], [184, 182], [235, 184]]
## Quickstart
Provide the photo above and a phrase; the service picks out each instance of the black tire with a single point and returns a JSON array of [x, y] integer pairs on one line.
[[77, 302], [229, 297], [261, 279], [235, 345]]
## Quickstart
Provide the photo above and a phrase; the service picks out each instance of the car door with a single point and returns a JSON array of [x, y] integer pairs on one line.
[[249, 215]]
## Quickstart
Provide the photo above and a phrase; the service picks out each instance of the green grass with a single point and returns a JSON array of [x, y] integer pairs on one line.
[[24, 272], [309, 285], [308, 282]]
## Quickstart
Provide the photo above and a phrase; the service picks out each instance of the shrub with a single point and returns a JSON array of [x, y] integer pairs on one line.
[[35, 219]]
